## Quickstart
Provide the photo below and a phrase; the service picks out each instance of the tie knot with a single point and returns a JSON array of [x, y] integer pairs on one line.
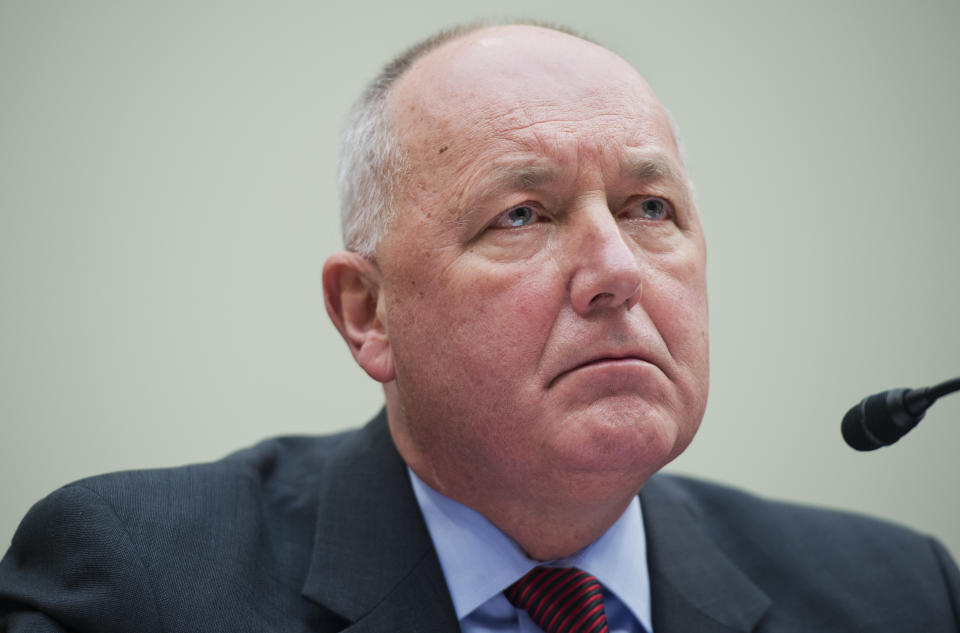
[[560, 600]]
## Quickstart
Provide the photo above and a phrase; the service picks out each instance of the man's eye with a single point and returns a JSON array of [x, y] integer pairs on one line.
[[520, 215], [652, 209]]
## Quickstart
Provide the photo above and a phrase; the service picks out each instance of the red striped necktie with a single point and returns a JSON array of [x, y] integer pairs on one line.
[[560, 600]]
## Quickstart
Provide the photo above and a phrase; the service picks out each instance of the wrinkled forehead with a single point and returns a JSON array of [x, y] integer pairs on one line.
[[492, 82]]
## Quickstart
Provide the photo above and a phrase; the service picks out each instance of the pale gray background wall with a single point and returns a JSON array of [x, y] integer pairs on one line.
[[167, 201]]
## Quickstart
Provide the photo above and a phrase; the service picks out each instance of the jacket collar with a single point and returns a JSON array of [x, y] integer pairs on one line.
[[694, 585], [373, 562]]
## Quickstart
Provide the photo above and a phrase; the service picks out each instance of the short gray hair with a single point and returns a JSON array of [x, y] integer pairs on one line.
[[371, 158]]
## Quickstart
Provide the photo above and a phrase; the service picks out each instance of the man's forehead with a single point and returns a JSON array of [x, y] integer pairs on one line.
[[500, 71], [519, 107], [636, 164]]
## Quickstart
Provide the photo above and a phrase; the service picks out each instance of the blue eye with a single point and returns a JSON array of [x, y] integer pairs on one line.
[[520, 215], [653, 209]]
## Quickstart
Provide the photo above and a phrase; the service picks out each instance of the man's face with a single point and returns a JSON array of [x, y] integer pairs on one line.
[[543, 287]]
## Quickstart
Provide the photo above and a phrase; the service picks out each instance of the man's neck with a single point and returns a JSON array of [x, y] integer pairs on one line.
[[548, 531], [550, 515], [546, 521]]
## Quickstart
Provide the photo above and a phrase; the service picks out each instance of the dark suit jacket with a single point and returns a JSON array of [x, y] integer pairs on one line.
[[324, 534]]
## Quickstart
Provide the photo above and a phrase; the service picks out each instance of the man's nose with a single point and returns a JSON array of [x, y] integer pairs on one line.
[[606, 272]]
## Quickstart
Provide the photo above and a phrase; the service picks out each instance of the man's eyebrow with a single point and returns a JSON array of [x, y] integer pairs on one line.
[[522, 176], [651, 167]]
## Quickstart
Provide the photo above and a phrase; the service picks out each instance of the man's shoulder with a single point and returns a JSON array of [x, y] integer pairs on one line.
[[796, 566], [274, 463], [804, 555], [173, 540], [729, 513], [275, 480]]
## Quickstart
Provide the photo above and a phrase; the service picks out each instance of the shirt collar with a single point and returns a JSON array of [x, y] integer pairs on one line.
[[479, 561]]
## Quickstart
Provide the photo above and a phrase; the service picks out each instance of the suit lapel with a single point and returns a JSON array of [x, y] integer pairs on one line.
[[694, 586], [373, 561]]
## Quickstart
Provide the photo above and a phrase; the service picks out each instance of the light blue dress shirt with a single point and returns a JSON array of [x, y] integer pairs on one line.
[[479, 562]]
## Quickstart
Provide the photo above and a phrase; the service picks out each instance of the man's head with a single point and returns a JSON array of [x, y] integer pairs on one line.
[[536, 307]]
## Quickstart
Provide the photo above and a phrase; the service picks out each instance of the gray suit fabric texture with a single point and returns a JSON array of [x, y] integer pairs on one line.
[[324, 534]]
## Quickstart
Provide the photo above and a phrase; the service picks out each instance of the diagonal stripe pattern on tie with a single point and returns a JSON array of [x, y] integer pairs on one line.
[[560, 600]]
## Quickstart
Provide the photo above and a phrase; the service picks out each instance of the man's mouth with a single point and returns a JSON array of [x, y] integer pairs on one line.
[[599, 361]]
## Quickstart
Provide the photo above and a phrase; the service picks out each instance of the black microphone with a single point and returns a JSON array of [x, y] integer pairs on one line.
[[883, 418]]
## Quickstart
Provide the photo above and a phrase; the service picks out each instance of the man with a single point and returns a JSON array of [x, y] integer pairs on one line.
[[525, 276]]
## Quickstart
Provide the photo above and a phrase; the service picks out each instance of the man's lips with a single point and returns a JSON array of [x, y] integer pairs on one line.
[[605, 359]]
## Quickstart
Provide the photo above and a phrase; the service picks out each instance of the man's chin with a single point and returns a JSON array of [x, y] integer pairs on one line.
[[619, 435]]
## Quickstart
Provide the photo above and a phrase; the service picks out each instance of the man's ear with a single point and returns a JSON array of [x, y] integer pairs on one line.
[[351, 292]]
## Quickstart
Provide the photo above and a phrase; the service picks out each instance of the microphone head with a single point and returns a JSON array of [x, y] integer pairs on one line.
[[878, 420], [854, 429]]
